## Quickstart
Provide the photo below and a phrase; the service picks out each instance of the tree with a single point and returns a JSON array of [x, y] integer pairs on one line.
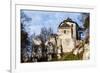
[[24, 43], [45, 33], [24, 37], [87, 22], [50, 31], [84, 18], [24, 17]]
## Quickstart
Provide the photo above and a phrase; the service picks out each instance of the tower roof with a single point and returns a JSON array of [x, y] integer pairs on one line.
[[65, 24]]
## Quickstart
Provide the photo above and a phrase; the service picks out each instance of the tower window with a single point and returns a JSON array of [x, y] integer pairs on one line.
[[64, 31]]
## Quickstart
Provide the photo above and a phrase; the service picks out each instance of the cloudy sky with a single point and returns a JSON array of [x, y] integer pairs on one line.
[[48, 19]]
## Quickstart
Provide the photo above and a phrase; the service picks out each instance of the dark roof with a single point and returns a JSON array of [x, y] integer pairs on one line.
[[69, 20], [64, 24]]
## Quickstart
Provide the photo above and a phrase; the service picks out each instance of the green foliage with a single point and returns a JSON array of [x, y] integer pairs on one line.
[[70, 56]]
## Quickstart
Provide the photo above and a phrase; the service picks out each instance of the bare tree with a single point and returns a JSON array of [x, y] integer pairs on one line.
[[45, 33]]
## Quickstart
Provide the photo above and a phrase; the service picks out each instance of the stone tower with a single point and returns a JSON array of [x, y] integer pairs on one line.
[[67, 35]]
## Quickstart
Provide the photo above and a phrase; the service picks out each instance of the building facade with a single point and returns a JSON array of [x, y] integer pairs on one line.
[[66, 35]]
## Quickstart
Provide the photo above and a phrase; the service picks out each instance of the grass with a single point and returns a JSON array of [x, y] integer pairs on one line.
[[68, 57]]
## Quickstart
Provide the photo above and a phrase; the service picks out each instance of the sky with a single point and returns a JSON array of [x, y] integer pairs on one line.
[[48, 19]]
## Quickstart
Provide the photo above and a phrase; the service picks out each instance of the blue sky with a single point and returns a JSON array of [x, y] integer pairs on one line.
[[48, 19]]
